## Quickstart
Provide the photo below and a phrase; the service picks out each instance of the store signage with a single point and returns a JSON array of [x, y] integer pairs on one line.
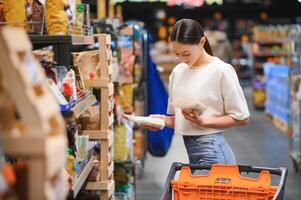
[[121, 1], [193, 3]]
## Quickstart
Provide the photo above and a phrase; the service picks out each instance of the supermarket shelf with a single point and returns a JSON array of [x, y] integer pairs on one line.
[[80, 180], [62, 45], [100, 135], [270, 54], [82, 40], [47, 40], [103, 185], [125, 162], [104, 83], [83, 105]]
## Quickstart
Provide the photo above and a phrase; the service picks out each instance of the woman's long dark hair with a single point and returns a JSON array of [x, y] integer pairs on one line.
[[189, 31]]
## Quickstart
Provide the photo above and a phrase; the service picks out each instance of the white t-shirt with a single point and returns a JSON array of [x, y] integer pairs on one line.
[[215, 85]]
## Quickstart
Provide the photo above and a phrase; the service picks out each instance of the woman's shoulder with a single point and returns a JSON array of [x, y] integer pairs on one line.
[[224, 67], [179, 68]]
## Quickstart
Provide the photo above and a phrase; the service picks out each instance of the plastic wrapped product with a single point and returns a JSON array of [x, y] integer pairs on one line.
[[56, 17], [148, 121]]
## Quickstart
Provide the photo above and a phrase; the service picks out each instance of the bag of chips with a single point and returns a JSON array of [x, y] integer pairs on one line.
[[15, 13], [56, 17]]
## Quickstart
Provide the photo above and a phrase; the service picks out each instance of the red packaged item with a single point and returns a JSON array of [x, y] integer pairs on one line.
[[67, 89]]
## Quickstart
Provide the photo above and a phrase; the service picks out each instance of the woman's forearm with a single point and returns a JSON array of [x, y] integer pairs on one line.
[[169, 121], [223, 122]]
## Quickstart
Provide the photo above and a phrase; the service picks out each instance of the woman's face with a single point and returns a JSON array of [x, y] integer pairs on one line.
[[187, 53]]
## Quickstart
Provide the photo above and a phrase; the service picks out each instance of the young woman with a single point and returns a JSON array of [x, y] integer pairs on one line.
[[215, 85]]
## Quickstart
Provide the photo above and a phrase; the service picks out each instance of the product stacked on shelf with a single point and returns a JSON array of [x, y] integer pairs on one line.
[[277, 103], [51, 17], [270, 45], [28, 128], [295, 95]]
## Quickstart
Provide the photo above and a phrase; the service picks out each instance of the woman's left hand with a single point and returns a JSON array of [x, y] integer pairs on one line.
[[195, 118]]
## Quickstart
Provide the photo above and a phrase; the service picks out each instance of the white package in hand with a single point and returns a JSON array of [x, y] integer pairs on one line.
[[188, 104], [148, 121]]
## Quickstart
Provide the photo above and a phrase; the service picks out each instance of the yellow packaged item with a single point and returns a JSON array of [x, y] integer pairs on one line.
[[70, 163], [120, 148], [56, 17], [15, 13], [126, 94]]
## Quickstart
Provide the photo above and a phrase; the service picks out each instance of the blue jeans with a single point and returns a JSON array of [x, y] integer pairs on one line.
[[209, 149]]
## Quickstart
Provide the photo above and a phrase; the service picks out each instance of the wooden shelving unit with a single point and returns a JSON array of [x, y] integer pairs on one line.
[[42, 138], [104, 182], [82, 177], [44, 141]]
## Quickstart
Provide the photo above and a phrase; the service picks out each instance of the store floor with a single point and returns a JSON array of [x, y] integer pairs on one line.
[[258, 143]]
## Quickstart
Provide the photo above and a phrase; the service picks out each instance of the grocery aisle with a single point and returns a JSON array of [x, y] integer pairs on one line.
[[258, 143]]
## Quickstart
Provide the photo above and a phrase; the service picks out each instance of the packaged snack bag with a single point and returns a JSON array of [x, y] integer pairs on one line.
[[56, 17], [15, 13]]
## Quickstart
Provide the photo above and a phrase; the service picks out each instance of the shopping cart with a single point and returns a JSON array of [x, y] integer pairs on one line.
[[223, 182]]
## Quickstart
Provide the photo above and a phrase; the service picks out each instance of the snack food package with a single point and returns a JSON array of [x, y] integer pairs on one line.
[[15, 13], [87, 64], [56, 17], [37, 16], [126, 93], [188, 104], [90, 119]]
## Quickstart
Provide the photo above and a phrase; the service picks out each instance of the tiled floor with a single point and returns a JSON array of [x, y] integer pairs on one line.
[[258, 143]]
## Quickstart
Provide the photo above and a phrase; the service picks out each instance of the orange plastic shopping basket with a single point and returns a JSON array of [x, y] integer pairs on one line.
[[223, 182]]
